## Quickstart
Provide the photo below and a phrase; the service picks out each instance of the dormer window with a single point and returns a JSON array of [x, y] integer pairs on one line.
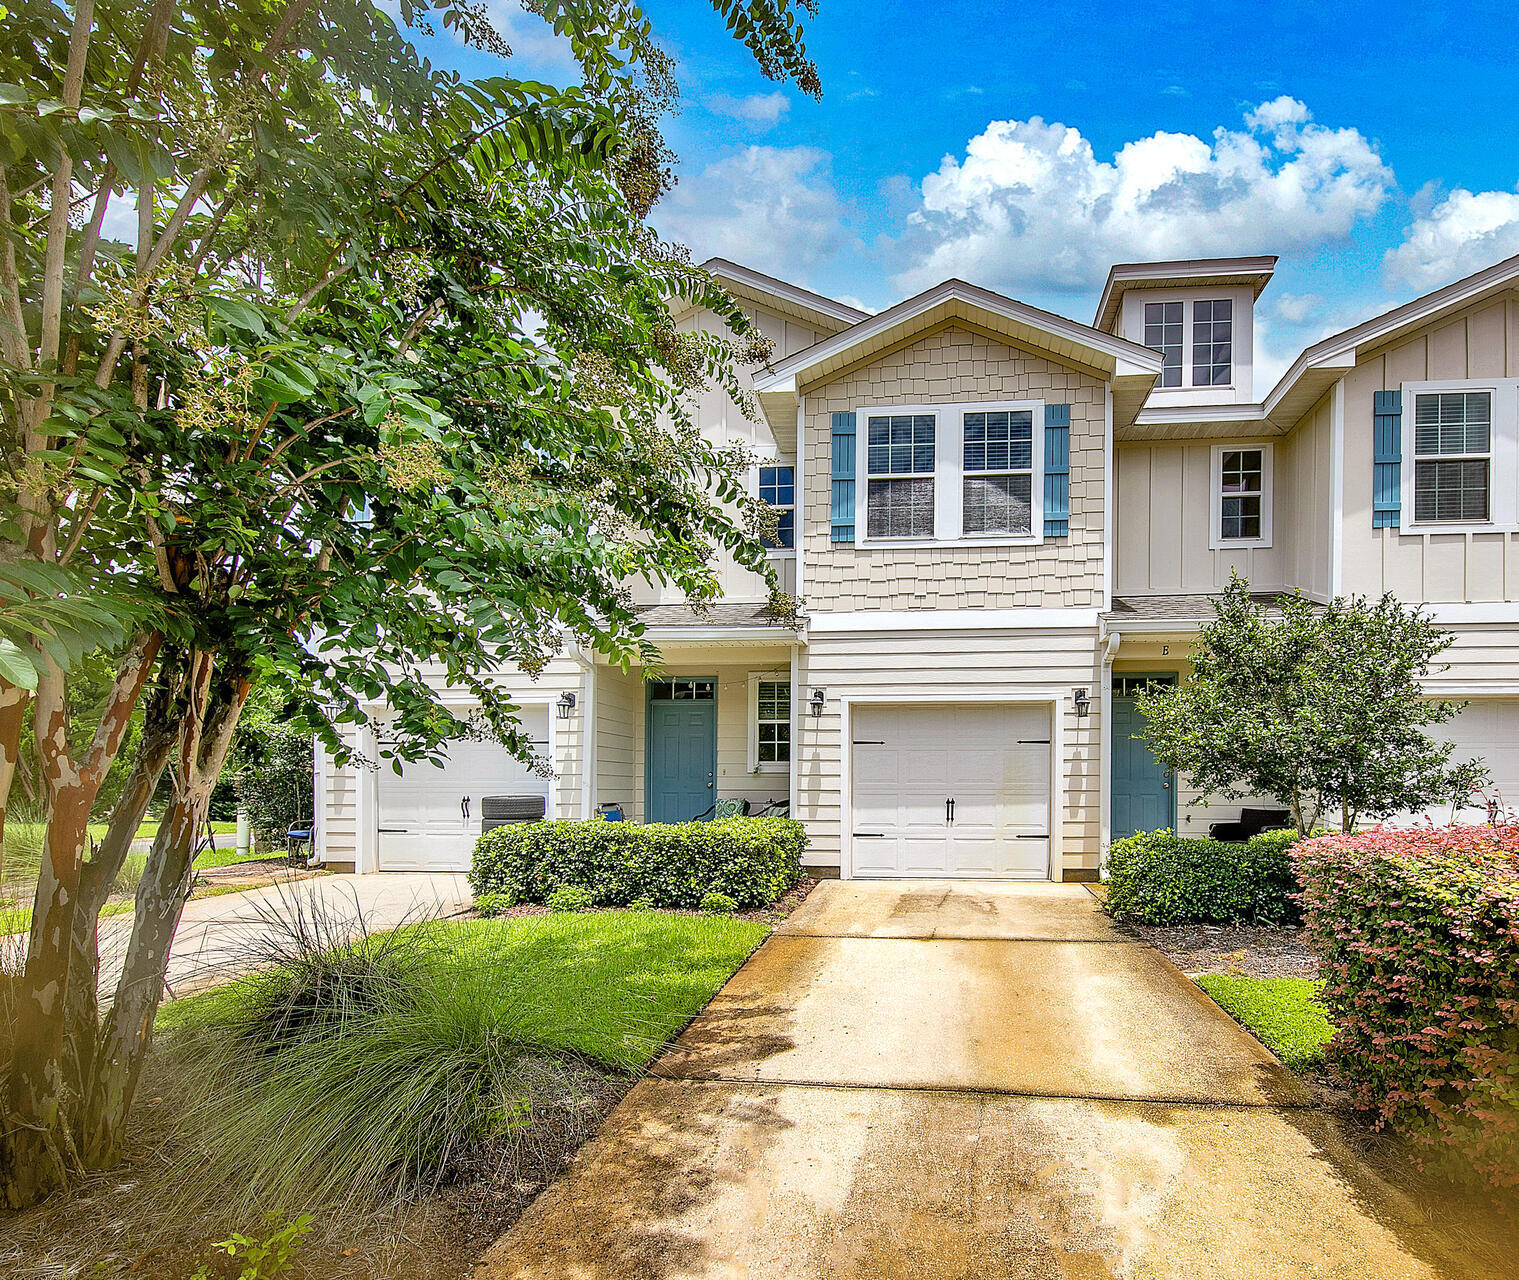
[[1212, 343], [1163, 333]]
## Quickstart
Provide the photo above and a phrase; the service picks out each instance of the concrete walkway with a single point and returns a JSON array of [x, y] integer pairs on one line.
[[222, 935], [973, 1081]]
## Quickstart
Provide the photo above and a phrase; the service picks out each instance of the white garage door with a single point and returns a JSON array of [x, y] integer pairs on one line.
[[1488, 727], [429, 815], [951, 791]]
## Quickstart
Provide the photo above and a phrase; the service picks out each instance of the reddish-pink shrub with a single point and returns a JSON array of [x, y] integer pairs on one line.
[[1418, 934]]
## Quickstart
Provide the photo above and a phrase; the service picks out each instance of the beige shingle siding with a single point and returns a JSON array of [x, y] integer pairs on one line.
[[944, 367], [1435, 568], [951, 665]]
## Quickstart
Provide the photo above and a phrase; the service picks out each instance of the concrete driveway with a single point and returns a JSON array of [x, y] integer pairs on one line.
[[972, 1081], [222, 935]]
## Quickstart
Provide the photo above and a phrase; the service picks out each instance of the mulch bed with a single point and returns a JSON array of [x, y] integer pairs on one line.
[[1257, 951]]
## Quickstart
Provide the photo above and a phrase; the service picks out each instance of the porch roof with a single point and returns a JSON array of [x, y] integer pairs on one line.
[[725, 622], [1176, 612]]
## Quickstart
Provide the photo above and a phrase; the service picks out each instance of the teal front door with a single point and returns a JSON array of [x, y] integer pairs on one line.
[[1144, 794], [682, 749]]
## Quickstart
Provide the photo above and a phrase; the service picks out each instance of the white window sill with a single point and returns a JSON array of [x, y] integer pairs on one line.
[[1240, 544], [781, 767], [970, 540], [1441, 526]]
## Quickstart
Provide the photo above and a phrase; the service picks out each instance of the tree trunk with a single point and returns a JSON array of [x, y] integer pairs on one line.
[[127, 1033], [82, 1003], [35, 1146], [13, 703]]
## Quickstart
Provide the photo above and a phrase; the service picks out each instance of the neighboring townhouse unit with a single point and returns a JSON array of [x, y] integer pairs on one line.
[[1003, 523]]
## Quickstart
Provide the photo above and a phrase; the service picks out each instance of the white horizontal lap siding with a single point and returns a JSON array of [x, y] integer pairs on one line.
[[1480, 659], [952, 666], [1416, 565], [617, 728], [946, 367]]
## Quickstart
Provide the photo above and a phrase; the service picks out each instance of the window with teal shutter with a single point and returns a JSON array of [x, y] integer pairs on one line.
[[842, 510], [1387, 459], [1057, 470]]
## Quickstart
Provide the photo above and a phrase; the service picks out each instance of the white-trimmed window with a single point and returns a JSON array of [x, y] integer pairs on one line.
[[1241, 495], [951, 473], [1460, 460], [1212, 342], [1163, 333], [997, 485], [1453, 456], [769, 722], [900, 451], [777, 487]]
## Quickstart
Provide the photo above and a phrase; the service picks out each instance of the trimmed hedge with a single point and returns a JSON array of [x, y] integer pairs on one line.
[[1158, 877], [752, 861], [1418, 937]]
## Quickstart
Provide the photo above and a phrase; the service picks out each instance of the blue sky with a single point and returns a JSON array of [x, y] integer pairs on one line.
[[1373, 146]]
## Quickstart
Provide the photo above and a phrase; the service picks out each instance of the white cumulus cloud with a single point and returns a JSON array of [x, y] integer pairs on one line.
[[772, 208], [763, 110], [1462, 233], [1030, 206]]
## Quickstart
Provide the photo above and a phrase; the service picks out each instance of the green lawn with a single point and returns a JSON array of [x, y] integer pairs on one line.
[[1283, 1013], [613, 985]]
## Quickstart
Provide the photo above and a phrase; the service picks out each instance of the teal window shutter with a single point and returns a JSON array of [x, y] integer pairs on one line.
[[843, 478], [1386, 459], [1057, 470]]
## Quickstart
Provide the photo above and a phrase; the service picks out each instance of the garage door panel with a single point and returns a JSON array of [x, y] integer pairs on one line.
[[429, 814], [992, 760], [1487, 728]]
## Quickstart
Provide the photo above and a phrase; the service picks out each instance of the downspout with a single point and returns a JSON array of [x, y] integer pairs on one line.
[[1105, 749]]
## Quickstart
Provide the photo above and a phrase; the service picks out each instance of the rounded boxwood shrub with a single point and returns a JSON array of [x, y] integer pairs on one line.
[[1161, 878], [752, 861], [1417, 932]]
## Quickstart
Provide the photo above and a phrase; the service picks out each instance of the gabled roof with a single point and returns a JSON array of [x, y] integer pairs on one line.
[[1178, 274], [1325, 362], [748, 285], [1131, 368]]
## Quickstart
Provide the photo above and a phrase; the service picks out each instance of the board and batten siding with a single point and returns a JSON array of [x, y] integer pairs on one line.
[[944, 367], [1165, 499], [950, 666], [722, 422], [1419, 566]]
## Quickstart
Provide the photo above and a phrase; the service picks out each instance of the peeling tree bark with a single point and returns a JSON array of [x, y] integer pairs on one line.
[[127, 1033], [34, 1145], [82, 1003]]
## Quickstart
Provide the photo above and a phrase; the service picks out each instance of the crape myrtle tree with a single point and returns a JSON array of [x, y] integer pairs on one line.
[[322, 367], [1321, 707]]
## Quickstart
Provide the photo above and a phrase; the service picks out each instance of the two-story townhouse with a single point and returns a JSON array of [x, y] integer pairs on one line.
[[1002, 522]]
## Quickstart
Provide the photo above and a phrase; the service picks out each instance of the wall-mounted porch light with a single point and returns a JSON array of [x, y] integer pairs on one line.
[[1083, 703], [566, 705], [815, 703]]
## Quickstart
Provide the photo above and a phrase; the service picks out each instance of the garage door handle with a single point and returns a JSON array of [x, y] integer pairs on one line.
[[1045, 836], [949, 811], [870, 835], [391, 831]]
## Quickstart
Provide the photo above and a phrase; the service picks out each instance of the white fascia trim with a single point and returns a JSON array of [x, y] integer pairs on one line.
[[877, 620], [724, 269], [1186, 271], [718, 634], [784, 372], [1160, 626], [1471, 688]]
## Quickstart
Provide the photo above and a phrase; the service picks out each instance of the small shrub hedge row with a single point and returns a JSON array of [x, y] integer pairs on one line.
[[749, 862], [1159, 877], [1418, 937]]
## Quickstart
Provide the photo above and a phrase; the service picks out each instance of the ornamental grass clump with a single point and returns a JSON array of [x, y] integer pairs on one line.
[[1418, 937]]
